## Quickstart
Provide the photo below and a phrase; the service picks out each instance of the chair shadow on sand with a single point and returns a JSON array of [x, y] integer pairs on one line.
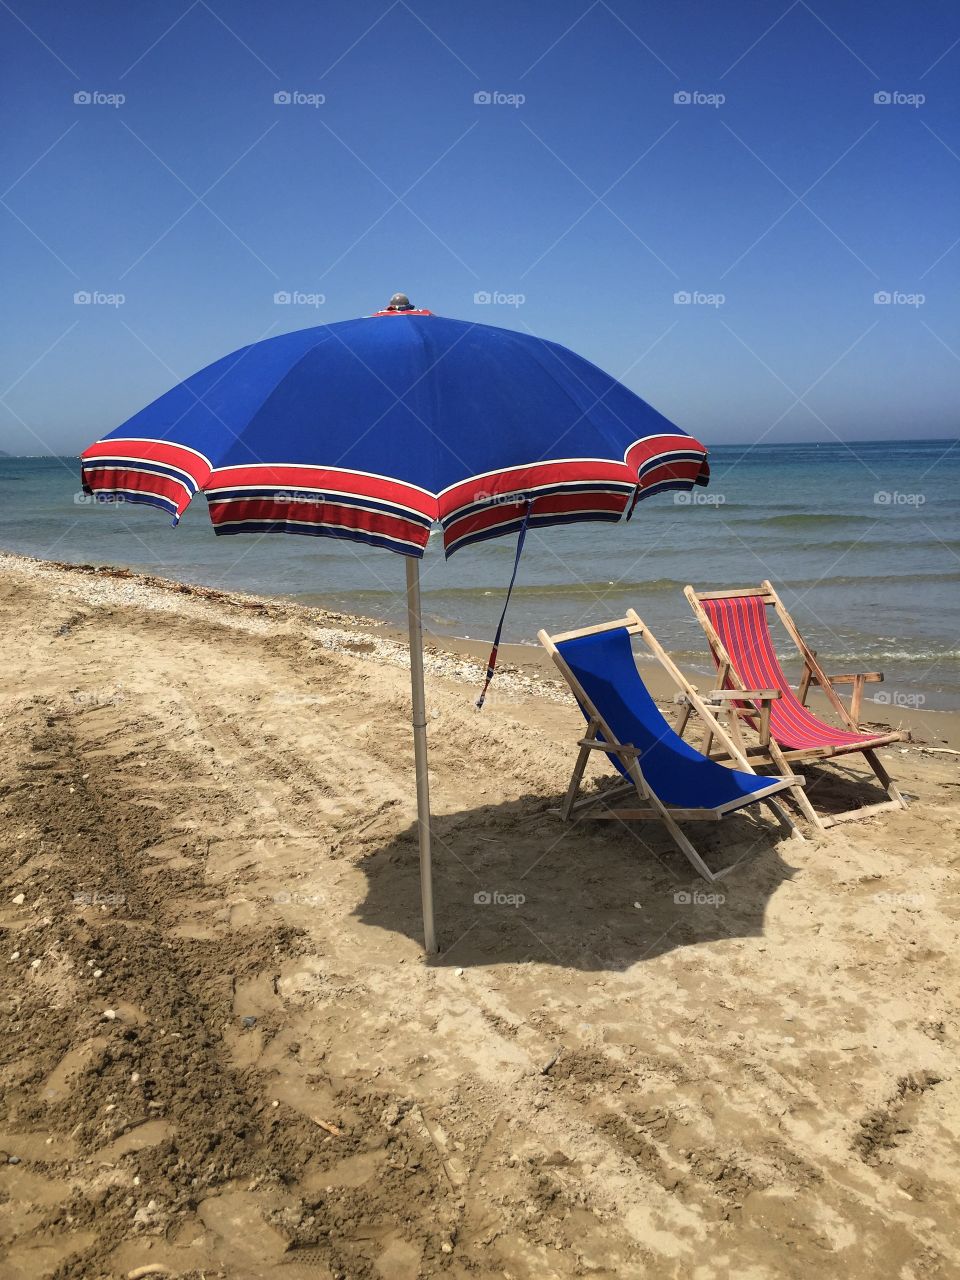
[[512, 884]]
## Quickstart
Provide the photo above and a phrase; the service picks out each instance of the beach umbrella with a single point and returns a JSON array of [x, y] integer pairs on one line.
[[377, 429]]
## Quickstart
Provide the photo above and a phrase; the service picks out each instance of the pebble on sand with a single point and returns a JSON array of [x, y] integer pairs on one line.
[[19, 899], [110, 1014]]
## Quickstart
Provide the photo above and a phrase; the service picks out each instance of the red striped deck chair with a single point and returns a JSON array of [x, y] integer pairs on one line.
[[756, 693]]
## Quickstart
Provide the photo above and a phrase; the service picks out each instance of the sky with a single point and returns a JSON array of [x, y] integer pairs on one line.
[[747, 212]]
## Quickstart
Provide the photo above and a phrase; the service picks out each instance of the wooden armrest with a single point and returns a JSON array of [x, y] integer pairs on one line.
[[871, 677], [750, 695]]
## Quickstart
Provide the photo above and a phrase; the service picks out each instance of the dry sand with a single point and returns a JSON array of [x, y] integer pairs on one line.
[[207, 832]]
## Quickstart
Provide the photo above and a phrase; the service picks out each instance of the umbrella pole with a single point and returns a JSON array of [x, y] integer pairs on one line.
[[420, 750]]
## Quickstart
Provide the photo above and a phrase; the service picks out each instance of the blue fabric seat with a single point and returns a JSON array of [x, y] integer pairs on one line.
[[604, 666]]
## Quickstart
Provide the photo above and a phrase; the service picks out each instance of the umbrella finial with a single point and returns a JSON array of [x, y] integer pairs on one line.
[[400, 302]]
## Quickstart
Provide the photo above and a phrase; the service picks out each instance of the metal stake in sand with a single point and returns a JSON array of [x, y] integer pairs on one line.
[[420, 750]]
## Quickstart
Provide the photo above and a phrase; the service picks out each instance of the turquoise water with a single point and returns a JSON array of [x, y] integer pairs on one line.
[[862, 540]]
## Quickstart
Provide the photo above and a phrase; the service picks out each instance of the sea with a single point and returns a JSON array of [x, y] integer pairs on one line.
[[862, 540]]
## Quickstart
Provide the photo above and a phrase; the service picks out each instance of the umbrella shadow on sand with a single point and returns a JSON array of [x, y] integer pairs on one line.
[[512, 884]]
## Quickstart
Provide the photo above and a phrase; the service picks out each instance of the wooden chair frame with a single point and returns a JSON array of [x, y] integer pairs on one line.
[[653, 808], [732, 689]]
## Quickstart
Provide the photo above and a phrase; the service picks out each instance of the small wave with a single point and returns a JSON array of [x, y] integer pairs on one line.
[[905, 656], [868, 545], [866, 579], [810, 519], [558, 590]]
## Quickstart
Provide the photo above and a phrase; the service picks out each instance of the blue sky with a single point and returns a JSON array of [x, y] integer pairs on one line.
[[780, 198]]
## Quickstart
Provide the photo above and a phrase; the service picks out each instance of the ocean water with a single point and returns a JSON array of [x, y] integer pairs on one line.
[[862, 540]]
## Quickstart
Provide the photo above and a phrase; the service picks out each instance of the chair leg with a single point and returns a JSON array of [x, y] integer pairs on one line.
[[684, 845], [568, 801], [799, 795], [684, 718], [785, 819], [888, 784], [736, 732], [681, 841]]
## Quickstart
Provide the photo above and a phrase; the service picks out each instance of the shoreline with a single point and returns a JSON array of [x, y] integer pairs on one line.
[[522, 670]]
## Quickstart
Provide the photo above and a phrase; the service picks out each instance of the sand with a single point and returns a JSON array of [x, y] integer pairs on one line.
[[223, 1054]]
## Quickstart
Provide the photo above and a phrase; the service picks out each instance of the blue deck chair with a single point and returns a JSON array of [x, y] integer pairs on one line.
[[673, 779]]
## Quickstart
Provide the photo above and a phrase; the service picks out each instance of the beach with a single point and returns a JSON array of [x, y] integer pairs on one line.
[[225, 1054]]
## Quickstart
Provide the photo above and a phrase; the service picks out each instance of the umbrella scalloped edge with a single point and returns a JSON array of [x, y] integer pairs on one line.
[[335, 503]]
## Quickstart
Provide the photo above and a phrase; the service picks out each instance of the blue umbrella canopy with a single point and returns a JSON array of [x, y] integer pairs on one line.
[[375, 429]]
